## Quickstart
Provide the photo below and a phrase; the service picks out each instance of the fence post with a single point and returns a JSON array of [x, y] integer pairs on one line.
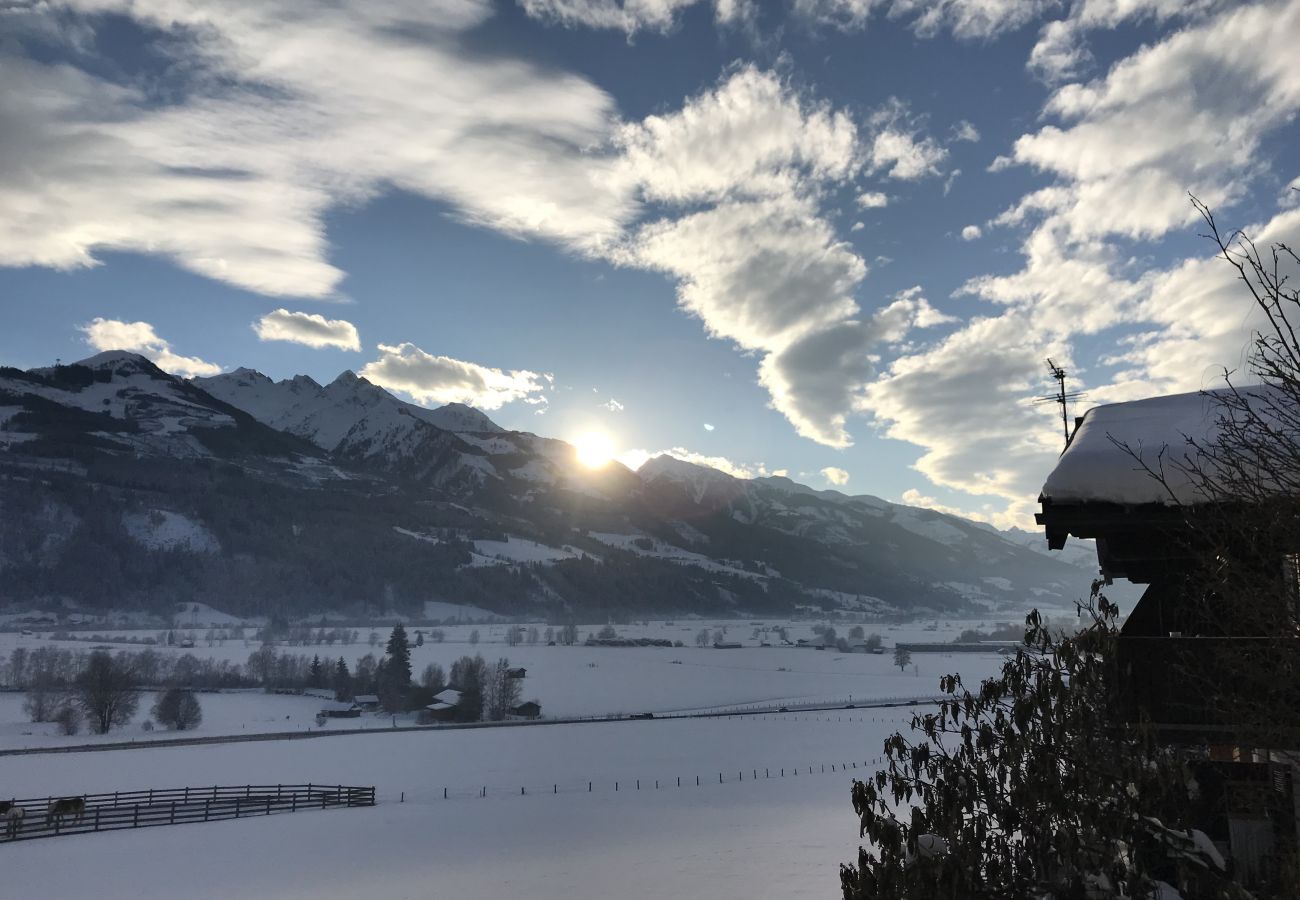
[[207, 809], [172, 820], [268, 806], [97, 818], [444, 793], [135, 818]]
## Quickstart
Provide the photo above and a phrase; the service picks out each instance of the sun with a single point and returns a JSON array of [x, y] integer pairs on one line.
[[595, 448]]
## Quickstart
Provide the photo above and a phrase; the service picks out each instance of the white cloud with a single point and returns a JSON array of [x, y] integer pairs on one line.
[[971, 233], [441, 379], [1061, 51], [1189, 111], [857, 226], [631, 16], [139, 337], [898, 149], [872, 200], [965, 131], [708, 427], [612, 405], [965, 19], [835, 476], [330, 104], [307, 328], [752, 136]]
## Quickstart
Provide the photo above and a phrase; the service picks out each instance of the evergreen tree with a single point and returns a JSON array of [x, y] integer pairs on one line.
[[394, 675], [342, 681], [316, 674]]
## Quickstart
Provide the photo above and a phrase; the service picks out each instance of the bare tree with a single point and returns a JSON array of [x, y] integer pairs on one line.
[[106, 691], [502, 691], [177, 709]]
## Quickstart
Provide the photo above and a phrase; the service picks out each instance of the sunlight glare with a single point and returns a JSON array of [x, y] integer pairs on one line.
[[595, 448]]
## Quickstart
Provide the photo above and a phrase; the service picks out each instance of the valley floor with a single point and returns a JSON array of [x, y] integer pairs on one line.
[[774, 837]]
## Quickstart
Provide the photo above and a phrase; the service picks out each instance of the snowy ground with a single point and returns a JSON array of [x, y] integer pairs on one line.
[[567, 681], [778, 837]]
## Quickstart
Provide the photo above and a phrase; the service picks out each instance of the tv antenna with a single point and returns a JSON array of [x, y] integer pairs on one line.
[[1062, 396]]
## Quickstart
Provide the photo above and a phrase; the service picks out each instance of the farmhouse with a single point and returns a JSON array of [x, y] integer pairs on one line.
[[529, 709], [1199, 664], [336, 709], [443, 707], [368, 702]]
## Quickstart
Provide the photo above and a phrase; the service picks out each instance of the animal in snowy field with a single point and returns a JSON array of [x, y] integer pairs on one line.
[[14, 821], [66, 806]]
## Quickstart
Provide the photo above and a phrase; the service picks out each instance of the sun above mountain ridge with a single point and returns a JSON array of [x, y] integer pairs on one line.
[[595, 448]]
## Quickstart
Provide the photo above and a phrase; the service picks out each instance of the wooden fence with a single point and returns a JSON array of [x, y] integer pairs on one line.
[[175, 806]]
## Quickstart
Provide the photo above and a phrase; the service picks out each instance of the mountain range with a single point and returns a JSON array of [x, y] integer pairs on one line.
[[125, 487]]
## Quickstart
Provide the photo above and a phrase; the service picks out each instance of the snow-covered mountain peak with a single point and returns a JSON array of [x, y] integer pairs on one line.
[[122, 362], [672, 468], [459, 417]]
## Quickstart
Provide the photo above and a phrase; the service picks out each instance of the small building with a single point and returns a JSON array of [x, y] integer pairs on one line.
[[517, 673], [443, 708], [336, 709], [369, 702], [726, 645], [529, 709]]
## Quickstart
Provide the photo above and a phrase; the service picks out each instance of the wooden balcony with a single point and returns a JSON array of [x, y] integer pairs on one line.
[[1213, 689]]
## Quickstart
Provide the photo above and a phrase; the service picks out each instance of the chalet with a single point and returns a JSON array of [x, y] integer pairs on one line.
[[529, 709], [339, 709], [369, 702], [443, 708], [1187, 656]]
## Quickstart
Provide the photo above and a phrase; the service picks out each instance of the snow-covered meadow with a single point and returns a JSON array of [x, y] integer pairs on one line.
[[572, 681], [774, 837], [552, 823]]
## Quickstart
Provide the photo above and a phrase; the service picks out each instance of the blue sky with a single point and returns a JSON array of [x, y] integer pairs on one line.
[[834, 238]]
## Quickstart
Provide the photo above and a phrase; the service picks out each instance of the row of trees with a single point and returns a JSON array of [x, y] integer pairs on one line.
[[103, 693]]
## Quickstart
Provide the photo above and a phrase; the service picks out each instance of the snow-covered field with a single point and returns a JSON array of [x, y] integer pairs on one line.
[[778, 837], [765, 837], [567, 681]]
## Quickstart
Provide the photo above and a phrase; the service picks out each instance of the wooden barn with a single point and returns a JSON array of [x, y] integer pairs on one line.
[[1197, 662]]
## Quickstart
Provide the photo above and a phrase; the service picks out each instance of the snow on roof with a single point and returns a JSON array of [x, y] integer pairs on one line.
[[336, 706], [450, 696], [1094, 469], [367, 698]]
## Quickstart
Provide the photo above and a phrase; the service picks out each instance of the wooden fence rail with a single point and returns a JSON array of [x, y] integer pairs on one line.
[[175, 806]]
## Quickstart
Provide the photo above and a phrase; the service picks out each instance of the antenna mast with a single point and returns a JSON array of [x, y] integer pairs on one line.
[[1062, 396]]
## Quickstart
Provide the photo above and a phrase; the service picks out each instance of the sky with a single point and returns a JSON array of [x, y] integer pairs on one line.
[[835, 239]]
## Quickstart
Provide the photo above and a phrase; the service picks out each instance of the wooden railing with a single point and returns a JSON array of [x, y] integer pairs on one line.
[[175, 806]]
